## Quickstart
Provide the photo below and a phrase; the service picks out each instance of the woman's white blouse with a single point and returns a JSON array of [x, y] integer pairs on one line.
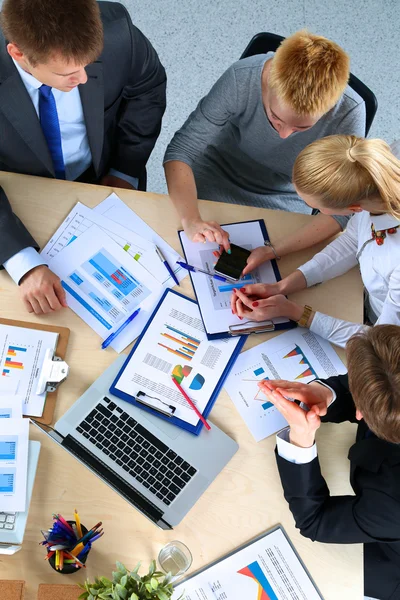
[[380, 272]]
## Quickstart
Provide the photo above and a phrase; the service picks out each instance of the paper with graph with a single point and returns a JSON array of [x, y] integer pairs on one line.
[[22, 353], [14, 434], [214, 296], [266, 569], [175, 343], [297, 355]]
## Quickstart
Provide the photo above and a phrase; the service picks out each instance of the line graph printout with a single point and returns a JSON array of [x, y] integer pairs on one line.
[[175, 343], [297, 355], [267, 569], [105, 285]]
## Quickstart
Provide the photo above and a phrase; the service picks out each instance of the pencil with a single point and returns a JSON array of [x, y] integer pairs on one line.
[[78, 524], [191, 404]]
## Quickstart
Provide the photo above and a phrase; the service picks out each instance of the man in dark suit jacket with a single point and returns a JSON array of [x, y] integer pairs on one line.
[[108, 87], [372, 515]]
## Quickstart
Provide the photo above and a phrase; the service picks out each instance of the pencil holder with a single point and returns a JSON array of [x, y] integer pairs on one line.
[[69, 569]]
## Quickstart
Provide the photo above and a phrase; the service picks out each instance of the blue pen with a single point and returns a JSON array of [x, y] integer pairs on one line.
[[197, 270], [112, 337], [166, 265]]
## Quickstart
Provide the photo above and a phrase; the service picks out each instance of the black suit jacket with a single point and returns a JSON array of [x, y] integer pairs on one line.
[[371, 516], [123, 103]]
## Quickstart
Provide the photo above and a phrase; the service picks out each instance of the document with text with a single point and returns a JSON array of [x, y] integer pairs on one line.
[[14, 434]]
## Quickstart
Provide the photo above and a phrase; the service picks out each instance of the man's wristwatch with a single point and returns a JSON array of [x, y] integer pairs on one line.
[[269, 245], [302, 322]]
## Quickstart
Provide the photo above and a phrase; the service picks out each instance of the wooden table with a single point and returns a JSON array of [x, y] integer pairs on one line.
[[246, 499]]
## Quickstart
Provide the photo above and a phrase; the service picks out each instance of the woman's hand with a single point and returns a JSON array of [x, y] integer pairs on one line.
[[207, 231], [303, 424], [257, 309], [257, 257]]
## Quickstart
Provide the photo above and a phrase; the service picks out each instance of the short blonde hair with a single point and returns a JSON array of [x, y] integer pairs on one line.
[[309, 73], [373, 361], [342, 170]]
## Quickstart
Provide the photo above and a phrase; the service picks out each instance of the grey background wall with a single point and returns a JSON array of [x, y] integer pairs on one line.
[[198, 39]]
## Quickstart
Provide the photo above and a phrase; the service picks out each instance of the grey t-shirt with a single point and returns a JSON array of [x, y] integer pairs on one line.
[[236, 154]]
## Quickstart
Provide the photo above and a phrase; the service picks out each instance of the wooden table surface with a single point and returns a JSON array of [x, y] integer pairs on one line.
[[246, 499]]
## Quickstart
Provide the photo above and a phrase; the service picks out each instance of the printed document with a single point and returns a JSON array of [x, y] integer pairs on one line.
[[11, 407], [105, 285], [116, 210], [175, 343], [214, 296], [267, 569], [14, 434], [296, 355], [22, 353]]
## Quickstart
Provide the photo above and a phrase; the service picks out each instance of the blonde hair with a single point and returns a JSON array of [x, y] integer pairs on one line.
[[342, 170], [309, 73], [373, 361]]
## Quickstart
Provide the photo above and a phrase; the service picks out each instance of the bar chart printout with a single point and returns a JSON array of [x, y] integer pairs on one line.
[[179, 343], [14, 434]]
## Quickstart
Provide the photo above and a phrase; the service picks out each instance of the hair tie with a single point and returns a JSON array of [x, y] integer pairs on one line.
[[350, 157]]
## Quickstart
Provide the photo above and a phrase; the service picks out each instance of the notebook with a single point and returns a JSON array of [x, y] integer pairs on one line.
[[12, 590], [48, 591]]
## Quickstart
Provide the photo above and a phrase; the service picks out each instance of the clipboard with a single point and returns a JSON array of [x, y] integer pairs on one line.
[[248, 327], [195, 429], [61, 348]]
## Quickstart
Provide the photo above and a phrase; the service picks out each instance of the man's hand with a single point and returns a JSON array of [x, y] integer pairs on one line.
[[207, 231], [113, 181], [303, 424], [42, 291], [312, 394]]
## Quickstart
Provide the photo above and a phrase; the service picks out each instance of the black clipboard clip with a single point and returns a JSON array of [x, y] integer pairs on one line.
[[155, 404], [251, 327]]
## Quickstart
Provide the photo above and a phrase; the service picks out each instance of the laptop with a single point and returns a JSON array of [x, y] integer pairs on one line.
[[160, 469], [12, 525]]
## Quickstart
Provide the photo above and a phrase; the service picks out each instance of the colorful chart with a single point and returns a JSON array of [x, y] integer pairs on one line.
[[238, 284], [257, 372], [309, 370], [13, 353], [265, 591], [187, 345], [197, 382], [179, 372]]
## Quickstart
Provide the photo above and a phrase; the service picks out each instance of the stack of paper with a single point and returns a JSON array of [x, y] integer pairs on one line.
[[107, 261]]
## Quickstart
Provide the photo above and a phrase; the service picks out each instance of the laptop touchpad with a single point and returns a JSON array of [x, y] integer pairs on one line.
[[172, 431]]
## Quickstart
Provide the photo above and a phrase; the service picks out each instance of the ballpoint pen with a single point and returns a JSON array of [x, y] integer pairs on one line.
[[166, 265], [112, 337], [197, 270]]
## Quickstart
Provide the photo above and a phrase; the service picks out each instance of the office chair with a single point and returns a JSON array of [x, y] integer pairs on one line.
[[269, 42]]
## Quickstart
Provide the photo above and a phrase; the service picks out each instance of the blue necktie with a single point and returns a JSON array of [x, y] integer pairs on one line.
[[51, 128]]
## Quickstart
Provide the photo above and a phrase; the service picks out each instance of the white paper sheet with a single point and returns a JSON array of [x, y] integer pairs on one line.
[[105, 285], [267, 569], [11, 407], [297, 355], [175, 342], [116, 210], [22, 353], [214, 296], [81, 218], [14, 435]]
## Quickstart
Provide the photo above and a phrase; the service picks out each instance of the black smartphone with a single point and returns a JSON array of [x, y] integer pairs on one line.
[[232, 265]]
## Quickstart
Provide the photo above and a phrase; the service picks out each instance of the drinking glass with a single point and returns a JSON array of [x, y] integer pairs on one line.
[[175, 558]]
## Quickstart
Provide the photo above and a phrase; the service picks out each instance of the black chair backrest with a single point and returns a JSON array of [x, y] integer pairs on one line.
[[269, 42]]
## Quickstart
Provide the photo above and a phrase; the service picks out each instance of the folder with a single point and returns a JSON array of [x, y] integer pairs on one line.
[[49, 591], [62, 342], [12, 590]]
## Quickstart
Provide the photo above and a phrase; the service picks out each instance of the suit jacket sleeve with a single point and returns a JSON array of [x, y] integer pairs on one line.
[[13, 234], [143, 105], [342, 409]]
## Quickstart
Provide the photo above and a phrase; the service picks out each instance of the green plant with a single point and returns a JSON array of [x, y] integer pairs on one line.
[[129, 585]]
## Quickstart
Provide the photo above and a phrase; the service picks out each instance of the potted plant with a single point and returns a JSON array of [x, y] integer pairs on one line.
[[129, 585]]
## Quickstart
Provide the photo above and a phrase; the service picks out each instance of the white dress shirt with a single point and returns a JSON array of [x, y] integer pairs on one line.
[[297, 454], [380, 272], [76, 153]]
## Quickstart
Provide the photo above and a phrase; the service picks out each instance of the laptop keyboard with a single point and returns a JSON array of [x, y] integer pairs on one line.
[[151, 462], [7, 520]]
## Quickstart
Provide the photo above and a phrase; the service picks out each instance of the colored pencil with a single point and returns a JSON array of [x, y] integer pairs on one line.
[[191, 404]]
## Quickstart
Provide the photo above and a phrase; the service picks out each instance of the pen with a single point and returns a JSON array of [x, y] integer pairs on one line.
[[166, 265], [197, 270], [112, 337], [192, 404]]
